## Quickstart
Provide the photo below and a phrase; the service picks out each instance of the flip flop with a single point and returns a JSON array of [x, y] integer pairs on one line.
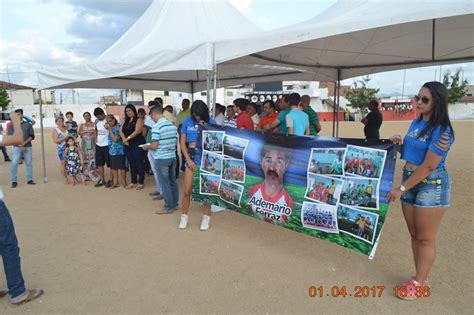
[[32, 294], [3, 293], [140, 187]]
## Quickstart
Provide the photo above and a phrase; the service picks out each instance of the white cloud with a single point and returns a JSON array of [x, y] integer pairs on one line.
[[93, 19]]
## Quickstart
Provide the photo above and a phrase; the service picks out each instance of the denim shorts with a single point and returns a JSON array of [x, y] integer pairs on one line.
[[432, 192], [193, 154]]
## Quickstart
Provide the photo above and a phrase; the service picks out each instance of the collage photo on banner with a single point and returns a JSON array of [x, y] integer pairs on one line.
[[340, 183], [329, 188], [222, 166]]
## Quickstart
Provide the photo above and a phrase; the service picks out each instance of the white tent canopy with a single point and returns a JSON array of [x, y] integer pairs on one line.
[[357, 37], [170, 47]]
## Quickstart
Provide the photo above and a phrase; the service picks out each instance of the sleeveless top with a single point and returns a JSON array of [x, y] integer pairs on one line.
[[61, 135], [87, 140], [129, 128]]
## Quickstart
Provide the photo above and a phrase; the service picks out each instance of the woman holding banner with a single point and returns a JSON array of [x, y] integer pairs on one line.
[[189, 135], [426, 188]]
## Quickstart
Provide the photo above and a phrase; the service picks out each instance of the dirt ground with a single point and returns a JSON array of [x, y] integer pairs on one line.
[[98, 251]]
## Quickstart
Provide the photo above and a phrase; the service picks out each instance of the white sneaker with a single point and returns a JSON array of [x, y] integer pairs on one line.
[[183, 222], [205, 222]]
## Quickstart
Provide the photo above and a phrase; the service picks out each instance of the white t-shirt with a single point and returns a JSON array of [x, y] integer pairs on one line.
[[149, 122], [102, 134], [219, 119]]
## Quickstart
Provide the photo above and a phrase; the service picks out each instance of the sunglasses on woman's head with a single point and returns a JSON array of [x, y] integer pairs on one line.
[[424, 99]]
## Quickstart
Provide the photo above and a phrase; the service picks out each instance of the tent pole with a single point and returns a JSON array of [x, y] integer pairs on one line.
[[214, 92], [43, 155], [433, 40], [338, 95], [334, 112], [192, 91], [208, 87]]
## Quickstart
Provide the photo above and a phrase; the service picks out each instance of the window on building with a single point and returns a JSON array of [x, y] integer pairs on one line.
[[230, 93], [167, 93], [203, 93]]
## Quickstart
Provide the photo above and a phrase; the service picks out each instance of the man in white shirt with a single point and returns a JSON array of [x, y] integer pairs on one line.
[[9, 249], [220, 111], [230, 120], [101, 147]]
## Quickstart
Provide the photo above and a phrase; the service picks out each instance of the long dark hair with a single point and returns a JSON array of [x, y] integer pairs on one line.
[[439, 115], [134, 110], [199, 108]]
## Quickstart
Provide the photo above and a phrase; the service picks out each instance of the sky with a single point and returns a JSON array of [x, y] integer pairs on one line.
[[47, 33]]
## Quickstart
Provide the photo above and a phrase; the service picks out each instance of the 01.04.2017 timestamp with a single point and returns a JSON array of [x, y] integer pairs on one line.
[[358, 291]]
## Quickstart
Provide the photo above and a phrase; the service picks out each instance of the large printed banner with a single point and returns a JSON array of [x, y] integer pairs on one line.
[[333, 189]]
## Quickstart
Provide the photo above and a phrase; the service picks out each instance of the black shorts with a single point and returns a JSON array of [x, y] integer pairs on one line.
[[117, 162], [102, 156]]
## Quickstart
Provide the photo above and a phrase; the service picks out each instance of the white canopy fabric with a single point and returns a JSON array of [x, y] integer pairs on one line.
[[170, 47], [358, 37]]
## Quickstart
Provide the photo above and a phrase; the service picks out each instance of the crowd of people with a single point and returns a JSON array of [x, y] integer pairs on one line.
[[85, 150]]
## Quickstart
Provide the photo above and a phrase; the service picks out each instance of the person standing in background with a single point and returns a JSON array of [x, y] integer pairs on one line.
[[4, 148], [132, 137], [88, 136], [280, 121], [220, 111], [163, 149], [71, 124], [101, 147], [24, 149], [314, 125], [269, 117], [148, 124], [230, 121], [252, 111], [297, 121], [373, 121], [244, 121]]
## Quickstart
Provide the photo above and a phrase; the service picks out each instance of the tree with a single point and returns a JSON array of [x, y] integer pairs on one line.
[[4, 99], [456, 88], [360, 95]]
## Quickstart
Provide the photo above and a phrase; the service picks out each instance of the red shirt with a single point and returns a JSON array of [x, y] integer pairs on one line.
[[267, 119], [244, 121]]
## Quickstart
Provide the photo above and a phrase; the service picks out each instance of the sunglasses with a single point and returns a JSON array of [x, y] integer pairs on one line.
[[425, 100]]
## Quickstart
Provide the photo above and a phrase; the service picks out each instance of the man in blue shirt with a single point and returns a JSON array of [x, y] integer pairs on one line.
[[164, 137], [297, 121]]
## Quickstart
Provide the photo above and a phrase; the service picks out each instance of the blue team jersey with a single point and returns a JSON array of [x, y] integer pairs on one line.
[[436, 140], [190, 128]]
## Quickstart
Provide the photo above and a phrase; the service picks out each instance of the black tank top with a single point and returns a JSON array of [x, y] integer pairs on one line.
[[129, 128]]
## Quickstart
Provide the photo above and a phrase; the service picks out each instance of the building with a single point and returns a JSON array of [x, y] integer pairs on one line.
[[19, 94]]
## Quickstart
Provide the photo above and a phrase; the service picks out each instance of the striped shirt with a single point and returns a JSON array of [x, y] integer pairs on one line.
[[313, 120], [230, 122], [166, 134]]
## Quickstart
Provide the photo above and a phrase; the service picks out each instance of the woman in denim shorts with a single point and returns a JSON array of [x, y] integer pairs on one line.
[[425, 192], [189, 135]]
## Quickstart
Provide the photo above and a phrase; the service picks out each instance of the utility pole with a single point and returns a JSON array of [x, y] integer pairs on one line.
[[403, 87]]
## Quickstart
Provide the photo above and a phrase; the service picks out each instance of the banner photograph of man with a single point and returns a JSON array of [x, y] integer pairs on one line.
[[269, 199]]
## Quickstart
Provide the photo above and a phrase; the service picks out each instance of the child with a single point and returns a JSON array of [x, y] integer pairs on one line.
[[71, 124], [74, 160], [116, 153]]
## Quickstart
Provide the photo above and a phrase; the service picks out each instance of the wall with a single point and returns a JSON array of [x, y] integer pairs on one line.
[[20, 97]]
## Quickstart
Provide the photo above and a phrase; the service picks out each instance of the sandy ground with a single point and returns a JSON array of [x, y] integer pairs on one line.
[[97, 251]]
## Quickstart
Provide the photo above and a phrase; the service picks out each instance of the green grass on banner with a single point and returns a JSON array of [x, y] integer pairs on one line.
[[294, 221]]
